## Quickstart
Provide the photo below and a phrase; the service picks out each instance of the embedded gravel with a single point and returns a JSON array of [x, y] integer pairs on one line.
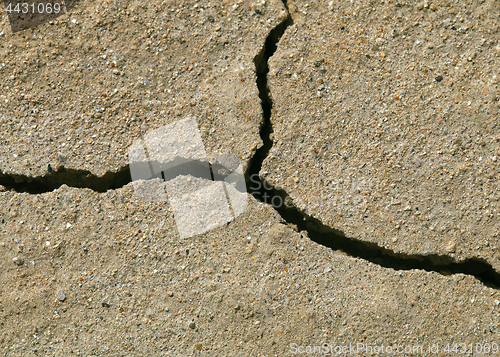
[[78, 90], [366, 103], [107, 274], [385, 122]]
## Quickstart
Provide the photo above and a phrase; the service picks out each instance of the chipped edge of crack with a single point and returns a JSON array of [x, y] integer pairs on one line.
[[64, 176], [299, 220]]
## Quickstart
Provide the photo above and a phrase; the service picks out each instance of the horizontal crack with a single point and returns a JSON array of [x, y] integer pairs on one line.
[[316, 230], [63, 176], [110, 181]]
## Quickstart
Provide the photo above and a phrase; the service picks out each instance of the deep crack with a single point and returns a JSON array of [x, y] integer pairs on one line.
[[319, 232], [70, 177], [316, 231]]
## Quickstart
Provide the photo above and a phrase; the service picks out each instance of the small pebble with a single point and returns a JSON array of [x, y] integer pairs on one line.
[[192, 325], [170, 293], [198, 346], [439, 78], [18, 260], [61, 296], [450, 247], [319, 62], [61, 157]]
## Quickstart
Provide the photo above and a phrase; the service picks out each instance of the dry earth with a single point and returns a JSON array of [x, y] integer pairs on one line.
[[132, 287], [78, 92]]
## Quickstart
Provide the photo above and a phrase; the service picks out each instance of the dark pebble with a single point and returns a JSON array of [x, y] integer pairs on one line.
[[319, 63]]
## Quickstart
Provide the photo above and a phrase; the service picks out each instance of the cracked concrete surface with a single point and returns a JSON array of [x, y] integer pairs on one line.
[[255, 286], [387, 129], [76, 93], [252, 287]]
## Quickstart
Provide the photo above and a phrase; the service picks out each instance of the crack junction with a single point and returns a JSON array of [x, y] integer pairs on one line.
[[325, 235], [263, 190]]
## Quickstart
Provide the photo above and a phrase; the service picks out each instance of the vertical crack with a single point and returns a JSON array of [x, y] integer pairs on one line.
[[265, 192], [316, 230], [262, 69]]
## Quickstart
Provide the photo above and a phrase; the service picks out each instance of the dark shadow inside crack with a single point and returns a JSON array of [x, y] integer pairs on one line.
[[262, 69], [265, 192], [63, 176], [316, 230], [372, 252], [114, 180]]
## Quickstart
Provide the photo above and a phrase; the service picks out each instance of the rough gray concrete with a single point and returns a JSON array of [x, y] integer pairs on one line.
[[89, 273], [77, 92], [254, 287], [385, 123]]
